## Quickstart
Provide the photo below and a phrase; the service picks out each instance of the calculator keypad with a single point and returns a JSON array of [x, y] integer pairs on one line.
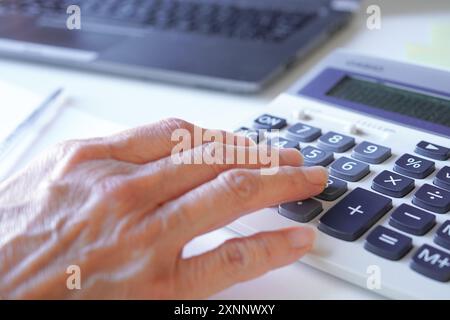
[[301, 211], [442, 237], [387, 243], [433, 199], [432, 262], [392, 184], [302, 132], [336, 142], [371, 153], [432, 151], [350, 218], [411, 220], [282, 143], [349, 169], [315, 157], [335, 188], [442, 178], [269, 122], [360, 209], [413, 166]]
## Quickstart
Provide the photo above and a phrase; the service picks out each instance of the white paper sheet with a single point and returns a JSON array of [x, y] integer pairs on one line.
[[16, 104]]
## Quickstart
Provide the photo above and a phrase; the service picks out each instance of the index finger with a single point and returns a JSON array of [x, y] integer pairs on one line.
[[156, 141]]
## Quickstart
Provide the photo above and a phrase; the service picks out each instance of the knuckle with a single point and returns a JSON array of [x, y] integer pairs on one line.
[[235, 256], [242, 185], [171, 124]]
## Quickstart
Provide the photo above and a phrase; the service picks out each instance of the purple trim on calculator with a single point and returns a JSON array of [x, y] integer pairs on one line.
[[327, 79]]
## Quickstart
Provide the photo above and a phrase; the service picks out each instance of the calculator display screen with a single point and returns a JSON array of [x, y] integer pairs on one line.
[[392, 98]]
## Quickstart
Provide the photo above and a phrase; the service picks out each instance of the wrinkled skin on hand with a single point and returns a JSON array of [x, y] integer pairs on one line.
[[120, 209]]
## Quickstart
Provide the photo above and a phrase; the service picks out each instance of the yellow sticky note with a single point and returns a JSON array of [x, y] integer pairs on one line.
[[438, 52]]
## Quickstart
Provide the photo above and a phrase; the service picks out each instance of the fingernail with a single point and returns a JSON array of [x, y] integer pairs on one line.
[[316, 175], [301, 237]]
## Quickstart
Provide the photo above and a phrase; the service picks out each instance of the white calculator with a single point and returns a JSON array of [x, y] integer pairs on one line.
[[383, 129]]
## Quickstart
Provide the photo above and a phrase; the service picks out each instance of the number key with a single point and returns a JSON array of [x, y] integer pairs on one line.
[[371, 153], [282, 143], [414, 167], [335, 188], [336, 142], [302, 132], [315, 157], [349, 169]]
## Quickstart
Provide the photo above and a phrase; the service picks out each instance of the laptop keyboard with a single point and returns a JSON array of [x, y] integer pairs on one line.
[[195, 17], [359, 210]]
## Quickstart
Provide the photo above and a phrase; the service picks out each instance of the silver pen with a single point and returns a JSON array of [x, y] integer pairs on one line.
[[12, 139]]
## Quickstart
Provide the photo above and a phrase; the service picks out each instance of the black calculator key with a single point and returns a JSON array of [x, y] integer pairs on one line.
[[442, 236], [413, 166], [392, 184], [431, 198], [387, 243], [255, 135], [432, 263], [349, 169], [301, 211], [408, 219], [432, 150], [371, 152], [336, 142], [442, 178], [302, 132], [269, 122], [350, 218], [315, 157], [335, 188], [283, 143]]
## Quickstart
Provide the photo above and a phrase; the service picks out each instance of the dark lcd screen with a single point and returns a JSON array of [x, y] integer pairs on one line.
[[394, 99]]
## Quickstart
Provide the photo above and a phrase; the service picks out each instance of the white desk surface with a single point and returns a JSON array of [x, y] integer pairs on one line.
[[131, 102]]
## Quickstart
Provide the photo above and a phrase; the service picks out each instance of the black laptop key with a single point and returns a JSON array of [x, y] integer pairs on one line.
[[432, 150], [301, 211], [409, 219], [283, 143], [302, 132], [432, 263], [269, 122], [442, 236], [371, 152], [354, 214], [349, 169], [336, 142], [335, 188], [431, 198], [316, 157], [392, 184], [387, 243], [414, 167], [442, 178]]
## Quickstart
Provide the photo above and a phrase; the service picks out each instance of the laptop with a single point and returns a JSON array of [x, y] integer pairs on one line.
[[233, 45]]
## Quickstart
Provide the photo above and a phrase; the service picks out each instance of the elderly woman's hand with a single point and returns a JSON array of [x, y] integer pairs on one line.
[[121, 209]]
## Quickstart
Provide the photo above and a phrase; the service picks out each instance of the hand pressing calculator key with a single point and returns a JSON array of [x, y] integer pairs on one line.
[[383, 130]]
